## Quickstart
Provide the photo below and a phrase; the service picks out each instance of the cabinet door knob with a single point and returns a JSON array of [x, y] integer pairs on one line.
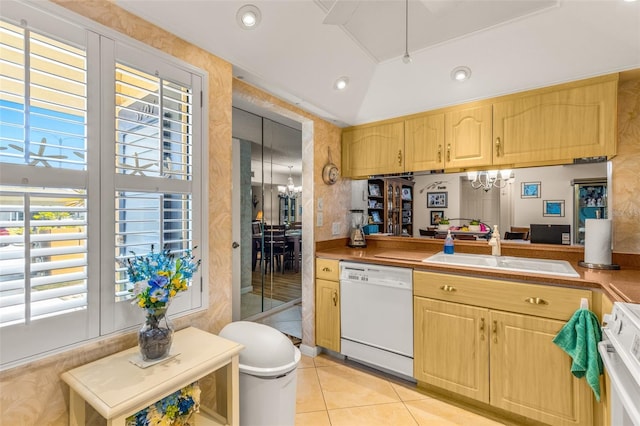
[[494, 330], [497, 147], [335, 298], [536, 301], [439, 153], [326, 269], [399, 157], [481, 328], [448, 152], [448, 288]]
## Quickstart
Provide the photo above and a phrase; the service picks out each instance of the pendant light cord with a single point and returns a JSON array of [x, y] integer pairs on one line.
[[406, 58]]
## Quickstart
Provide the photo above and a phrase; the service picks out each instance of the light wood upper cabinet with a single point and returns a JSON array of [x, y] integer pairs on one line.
[[468, 137], [557, 125], [373, 150], [424, 142], [552, 125]]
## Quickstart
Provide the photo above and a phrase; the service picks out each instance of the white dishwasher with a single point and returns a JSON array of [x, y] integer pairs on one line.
[[376, 316]]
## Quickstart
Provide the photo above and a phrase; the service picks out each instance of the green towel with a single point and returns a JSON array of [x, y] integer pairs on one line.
[[579, 338]]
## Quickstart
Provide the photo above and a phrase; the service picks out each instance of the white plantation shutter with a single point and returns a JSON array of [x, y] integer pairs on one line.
[[49, 230], [155, 174], [45, 287], [101, 144], [43, 100]]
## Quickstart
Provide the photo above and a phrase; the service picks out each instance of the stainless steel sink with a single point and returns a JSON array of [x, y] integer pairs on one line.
[[505, 263]]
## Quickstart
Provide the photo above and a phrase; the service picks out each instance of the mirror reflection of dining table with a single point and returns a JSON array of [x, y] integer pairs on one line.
[[293, 236]]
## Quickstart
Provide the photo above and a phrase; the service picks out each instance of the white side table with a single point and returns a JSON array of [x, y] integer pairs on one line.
[[116, 388]]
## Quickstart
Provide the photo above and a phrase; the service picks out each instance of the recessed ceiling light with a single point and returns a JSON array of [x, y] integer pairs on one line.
[[341, 83], [248, 17], [460, 73]]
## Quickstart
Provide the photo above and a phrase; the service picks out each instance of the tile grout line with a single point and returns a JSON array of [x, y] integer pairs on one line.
[[324, 400]]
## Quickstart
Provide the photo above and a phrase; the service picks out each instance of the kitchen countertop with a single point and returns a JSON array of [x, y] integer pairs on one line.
[[619, 285]]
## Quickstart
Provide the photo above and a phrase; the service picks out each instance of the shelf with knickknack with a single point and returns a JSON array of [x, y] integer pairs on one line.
[[375, 201], [390, 205], [590, 202]]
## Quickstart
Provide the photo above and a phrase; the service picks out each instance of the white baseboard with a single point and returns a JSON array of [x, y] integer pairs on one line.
[[312, 351]]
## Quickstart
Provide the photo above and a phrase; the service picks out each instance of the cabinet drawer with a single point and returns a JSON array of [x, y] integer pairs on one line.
[[531, 299], [327, 269]]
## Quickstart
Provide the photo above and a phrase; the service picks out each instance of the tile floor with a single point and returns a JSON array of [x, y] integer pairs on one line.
[[331, 392]]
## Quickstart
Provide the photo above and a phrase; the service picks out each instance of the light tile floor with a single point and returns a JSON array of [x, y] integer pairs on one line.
[[331, 392]]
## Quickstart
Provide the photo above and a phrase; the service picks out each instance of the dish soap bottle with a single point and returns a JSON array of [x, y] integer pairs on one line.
[[448, 244]]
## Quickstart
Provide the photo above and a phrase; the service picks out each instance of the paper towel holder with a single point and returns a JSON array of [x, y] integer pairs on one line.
[[603, 266]]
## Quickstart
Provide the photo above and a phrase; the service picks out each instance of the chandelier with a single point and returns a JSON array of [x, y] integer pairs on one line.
[[290, 190], [490, 179]]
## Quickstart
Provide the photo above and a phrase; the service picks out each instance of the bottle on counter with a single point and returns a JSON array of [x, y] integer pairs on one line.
[[448, 243]]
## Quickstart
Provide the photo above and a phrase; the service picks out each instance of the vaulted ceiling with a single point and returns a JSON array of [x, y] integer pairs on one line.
[[300, 47]]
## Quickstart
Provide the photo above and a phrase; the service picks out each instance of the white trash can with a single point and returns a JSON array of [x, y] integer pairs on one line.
[[268, 365]]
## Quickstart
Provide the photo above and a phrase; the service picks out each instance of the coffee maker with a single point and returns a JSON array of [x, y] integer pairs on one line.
[[356, 235]]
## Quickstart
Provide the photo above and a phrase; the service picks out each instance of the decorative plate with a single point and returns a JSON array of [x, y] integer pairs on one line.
[[330, 173]]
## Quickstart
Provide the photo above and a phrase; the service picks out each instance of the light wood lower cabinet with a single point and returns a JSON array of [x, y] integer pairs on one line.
[[505, 359], [451, 350], [328, 304]]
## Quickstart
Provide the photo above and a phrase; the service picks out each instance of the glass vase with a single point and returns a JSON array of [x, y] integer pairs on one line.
[[156, 335]]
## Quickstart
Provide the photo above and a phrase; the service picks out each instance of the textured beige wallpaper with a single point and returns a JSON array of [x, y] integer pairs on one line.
[[626, 171]]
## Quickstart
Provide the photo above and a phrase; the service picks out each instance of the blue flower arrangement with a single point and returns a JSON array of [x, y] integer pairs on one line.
[[173, 410], [159, 276]]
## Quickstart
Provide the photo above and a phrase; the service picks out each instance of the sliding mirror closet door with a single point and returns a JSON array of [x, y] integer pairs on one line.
[[267, 214]]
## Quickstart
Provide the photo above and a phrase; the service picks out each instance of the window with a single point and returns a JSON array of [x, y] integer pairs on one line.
[[101, 156]]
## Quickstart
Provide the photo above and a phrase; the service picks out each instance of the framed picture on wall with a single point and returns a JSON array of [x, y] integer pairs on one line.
[[436, 215], [436, 199], [553, 208], [530, 190]]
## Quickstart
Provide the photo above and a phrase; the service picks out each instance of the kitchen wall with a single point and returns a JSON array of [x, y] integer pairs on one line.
[[33, 394], [626, 169]]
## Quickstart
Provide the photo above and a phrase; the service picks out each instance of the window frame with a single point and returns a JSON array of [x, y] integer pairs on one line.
[[104, 316]]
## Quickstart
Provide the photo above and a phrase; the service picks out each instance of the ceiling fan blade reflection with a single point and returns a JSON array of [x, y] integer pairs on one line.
[[341, 12]]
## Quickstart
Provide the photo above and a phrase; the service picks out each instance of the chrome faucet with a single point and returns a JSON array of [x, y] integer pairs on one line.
[[494, 242]]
